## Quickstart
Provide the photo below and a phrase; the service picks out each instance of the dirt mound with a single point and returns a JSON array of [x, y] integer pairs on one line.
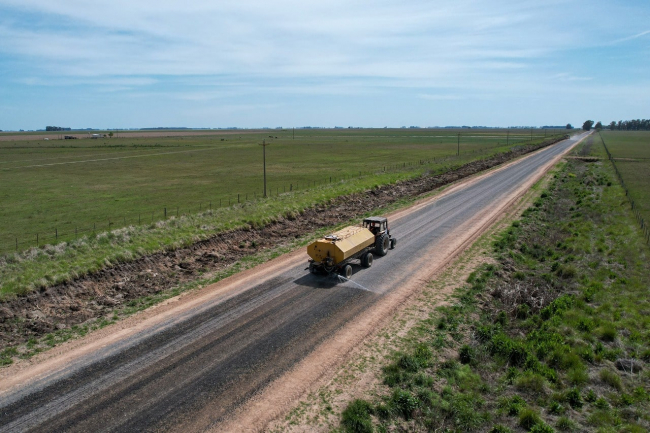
[[98, 294]]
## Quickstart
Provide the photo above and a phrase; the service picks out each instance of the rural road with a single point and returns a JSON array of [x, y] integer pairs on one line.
[[189, 367]]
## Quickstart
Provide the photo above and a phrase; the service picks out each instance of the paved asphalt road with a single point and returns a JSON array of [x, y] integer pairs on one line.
[[219, 354]]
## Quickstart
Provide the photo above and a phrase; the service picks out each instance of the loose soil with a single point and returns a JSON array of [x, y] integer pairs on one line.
[[99, 294]]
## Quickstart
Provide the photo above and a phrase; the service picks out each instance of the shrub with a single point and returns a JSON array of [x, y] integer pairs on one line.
[[528, 419], [556, 408], [574, 398], [591, 396], [467, 355], [611, 378], [531, 382], [404, 403], [356, 417], [542, 428], [518, 354], [566, 271], [565, 424], [601, 403], [500, 429], [607, 332], [578, 376], [512, 406]]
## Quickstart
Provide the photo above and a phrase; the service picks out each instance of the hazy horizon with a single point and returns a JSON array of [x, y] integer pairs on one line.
[[131, 64]]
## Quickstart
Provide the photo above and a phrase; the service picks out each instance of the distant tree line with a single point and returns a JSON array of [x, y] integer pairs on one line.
[[57, 128], [630, 125]]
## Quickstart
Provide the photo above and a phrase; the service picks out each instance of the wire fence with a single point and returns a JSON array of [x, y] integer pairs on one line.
[[71, 232], [644, 226]]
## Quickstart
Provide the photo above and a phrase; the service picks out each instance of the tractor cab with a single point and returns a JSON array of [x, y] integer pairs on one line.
[[377, 225]]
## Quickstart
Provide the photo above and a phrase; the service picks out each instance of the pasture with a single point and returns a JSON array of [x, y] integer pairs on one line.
[[59, 189], [631, 153]]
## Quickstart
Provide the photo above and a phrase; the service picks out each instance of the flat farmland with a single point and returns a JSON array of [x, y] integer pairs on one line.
[[631, 153], [55, 187]]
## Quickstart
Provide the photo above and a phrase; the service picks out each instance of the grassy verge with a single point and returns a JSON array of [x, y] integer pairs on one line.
[[554, 336], [42, 267]]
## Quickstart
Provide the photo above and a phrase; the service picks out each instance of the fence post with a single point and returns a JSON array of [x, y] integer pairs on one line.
[[165, 213], [36, 239], [56, 233], [16, 244]]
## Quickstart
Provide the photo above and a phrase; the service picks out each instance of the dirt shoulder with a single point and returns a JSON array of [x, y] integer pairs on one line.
[[100, 295]]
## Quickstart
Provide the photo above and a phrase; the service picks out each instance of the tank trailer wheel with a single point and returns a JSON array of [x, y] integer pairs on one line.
[[346, 271], [312, 268], [393, 243], [382, 244], [366, 260]]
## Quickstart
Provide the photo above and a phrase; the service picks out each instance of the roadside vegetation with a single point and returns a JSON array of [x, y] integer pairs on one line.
[[552, 336]]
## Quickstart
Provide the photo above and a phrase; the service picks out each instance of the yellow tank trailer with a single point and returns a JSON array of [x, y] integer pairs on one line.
[[334, 252]]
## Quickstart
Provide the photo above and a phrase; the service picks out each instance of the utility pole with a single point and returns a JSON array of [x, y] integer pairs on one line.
[[293, 136], [264, 144], [531, 134], [458, 148], [508, 137]]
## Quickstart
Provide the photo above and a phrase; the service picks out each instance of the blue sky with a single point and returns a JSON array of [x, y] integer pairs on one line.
[[250, 63]]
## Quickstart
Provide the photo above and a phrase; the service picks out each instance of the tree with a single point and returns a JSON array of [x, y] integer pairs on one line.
[[599, 126], [587, 125], [110, 134], [568, 126], [612, 125]]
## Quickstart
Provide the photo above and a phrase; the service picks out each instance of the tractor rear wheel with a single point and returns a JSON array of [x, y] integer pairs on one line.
[[366, 260], [346, 271], [382, 244]]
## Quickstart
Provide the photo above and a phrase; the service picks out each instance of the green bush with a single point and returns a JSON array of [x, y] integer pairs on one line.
[[565, 424], [607, 332], [574, 398], [601, 403], [512, 406], [404, 403], [578, 376], [531, 382], [467, 355], [611, 378], [542, 428], [591, 396], [356, 417], [500, 429], [528, 419]]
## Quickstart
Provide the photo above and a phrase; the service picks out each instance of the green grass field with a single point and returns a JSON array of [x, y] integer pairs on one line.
[[631, 152], [59, 187]]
